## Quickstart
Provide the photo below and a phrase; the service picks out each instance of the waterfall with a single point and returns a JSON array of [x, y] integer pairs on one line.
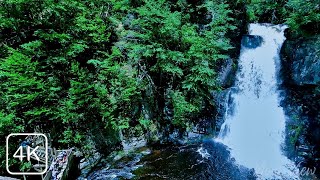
[[254, 132]]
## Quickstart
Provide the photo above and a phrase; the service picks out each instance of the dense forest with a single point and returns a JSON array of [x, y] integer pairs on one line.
[[108, 69]]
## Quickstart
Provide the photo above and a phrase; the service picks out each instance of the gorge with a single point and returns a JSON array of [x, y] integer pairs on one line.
[[255, 130], [251, 143], [162, 89]]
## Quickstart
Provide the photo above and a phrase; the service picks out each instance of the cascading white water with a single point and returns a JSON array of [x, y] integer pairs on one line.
[[255, 131]]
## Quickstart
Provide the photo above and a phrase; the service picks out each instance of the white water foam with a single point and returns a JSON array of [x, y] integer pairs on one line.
[[255, 131]]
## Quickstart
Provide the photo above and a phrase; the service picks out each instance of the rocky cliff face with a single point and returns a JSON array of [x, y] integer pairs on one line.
[[301, 79], [301, 58]]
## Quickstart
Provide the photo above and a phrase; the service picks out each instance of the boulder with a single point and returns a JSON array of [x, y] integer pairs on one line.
[[251, 41]]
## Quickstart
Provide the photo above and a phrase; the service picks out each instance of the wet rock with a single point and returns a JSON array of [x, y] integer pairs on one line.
[[226, 74], [118, 157], [206, 160], [83, 164], [303, 154], [133, 143], [251, 41], [301, 58], [119, 165], [302, 140], [192, 135], [87, 164], [128, 20], [304, 148], [110, 174], [146, 152], [223, 101], [299, 159], [300, 70]]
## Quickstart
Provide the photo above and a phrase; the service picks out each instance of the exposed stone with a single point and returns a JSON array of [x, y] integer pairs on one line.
[[133, 143], [222, 99], [301, 59], [84, 164], [226, 73], [88, 164], [251, 41]]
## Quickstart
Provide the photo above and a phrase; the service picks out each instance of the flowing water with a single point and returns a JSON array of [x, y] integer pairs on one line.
[[254, 132], [250, 142]]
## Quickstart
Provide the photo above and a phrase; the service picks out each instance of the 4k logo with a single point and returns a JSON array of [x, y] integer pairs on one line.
[[28, 152]]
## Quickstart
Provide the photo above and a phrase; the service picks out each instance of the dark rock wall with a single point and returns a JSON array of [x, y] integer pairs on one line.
[[300, 59]]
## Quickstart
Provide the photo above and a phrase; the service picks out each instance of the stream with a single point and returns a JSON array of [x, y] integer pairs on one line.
[[250, 144]]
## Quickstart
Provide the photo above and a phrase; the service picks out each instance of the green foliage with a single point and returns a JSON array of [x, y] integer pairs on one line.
[[264, 11], [304, 17], [182, 109], [22, 87], [297, 130], [170, 53], [144, 123], [8, 124], [88, 70], [25, 166], [76, 69], [50, 69]]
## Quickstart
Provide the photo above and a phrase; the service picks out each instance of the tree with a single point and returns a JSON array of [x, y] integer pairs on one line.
[[84, 70], [49, 67], [304, 17], [177, 59]]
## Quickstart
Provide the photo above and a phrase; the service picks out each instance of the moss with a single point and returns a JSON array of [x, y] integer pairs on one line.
[[297, 130]]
